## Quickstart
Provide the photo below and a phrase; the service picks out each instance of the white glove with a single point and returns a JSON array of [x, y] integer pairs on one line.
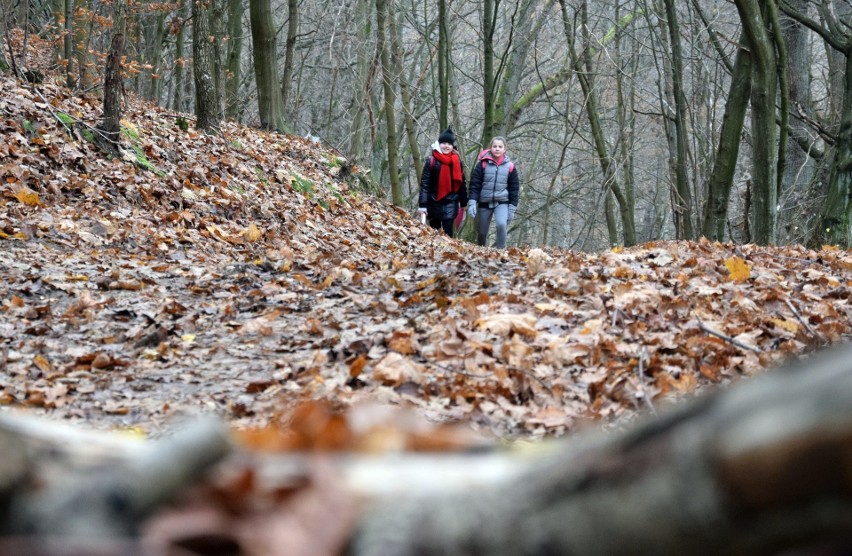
[[512, 209], [422, 212], [471, 208]]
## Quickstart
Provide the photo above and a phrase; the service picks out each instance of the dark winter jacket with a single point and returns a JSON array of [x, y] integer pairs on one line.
[[446, 208], [493, 183]]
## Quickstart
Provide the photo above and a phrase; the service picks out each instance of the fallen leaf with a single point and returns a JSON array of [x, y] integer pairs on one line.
[[738, 269], [27, 196], [502, 325]]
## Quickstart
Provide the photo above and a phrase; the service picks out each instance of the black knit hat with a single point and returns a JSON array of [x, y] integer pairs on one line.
[[447, 136]]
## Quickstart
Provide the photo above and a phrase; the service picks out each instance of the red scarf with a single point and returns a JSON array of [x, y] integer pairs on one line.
[[450, 176]]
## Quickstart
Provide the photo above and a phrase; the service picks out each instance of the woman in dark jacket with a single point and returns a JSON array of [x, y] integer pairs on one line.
[[494, 187], [443, 187]]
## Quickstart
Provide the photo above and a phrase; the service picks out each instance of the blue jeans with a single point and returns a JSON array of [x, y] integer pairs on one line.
[[500, 213]]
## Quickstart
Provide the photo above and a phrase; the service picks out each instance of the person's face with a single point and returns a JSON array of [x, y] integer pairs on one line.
[[498, 148], [446, 148]]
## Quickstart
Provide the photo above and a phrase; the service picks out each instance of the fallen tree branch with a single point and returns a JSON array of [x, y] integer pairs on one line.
[[728, 339], [756, 469], [804, 323], [85, 505]]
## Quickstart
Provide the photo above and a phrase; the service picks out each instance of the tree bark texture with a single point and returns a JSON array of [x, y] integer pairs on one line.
[[398, 60], [683, 204], [799, 168], [203, 68], [233, 102], [757, 469], [110, 124], [725, 164], [82, 26], [289, 51], [270, 105], [68, 43], [763, 113], [180, 61], [488, 78], [836, 217], [390, 100], [156, 58], [443, 65], [217, 32]]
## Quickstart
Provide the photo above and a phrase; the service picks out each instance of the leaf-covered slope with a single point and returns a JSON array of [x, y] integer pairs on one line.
[[243, 272]]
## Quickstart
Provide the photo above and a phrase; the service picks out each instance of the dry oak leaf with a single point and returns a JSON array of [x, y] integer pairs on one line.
[[739, 270], [27, 196], [394, 370], [503, 325], [538, 261], [402, 341], [252, 233]]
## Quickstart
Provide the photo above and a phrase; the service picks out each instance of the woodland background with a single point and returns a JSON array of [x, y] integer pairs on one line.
[[630, 121], [155, 264]]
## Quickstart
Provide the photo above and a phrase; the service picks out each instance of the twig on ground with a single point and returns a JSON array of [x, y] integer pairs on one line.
[[728, 339], [804, 322], [535, 378], [640, 370]]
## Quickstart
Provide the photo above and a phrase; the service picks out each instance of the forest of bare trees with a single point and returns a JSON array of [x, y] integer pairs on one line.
[[628, 121]]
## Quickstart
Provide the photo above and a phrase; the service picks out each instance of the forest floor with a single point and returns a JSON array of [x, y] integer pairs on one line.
[[248, 274]]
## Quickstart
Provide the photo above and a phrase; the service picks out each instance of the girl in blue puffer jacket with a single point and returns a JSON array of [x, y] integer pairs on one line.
[[494, 187]]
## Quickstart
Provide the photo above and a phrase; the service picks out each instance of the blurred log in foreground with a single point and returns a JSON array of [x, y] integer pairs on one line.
[[762, 468]]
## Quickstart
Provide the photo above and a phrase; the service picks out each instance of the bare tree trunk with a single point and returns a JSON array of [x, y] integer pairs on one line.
[[610, 180], [443, 65], [217, 29], [180, 61], [82, 24], [390, 101], [270, 106], [156, 57], [289, 50], [836, 214], [764, 128], [721, 179], [683, 207], [800, 167], [398, 66], [203, 66], [361, 95], [110, 124], [489, 18], [68, 43], [233, 102]]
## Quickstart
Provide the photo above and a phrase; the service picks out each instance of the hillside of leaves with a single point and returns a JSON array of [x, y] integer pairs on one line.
[[247, 272]]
